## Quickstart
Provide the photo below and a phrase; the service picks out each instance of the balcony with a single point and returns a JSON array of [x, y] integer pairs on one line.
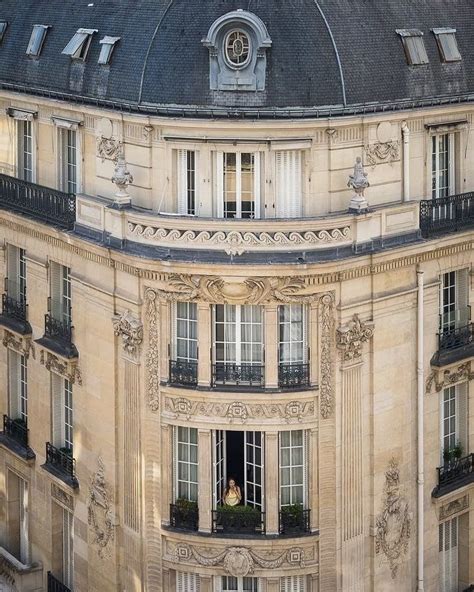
[[183, 373], [37, 202], [454, 474], [58, 334], [294, 520], [446, 214], [238, 520], [455, 343], [15, 437], [184, 515], [14, 308], [293, 376], [54, 585], [228, 374], [60, 462]]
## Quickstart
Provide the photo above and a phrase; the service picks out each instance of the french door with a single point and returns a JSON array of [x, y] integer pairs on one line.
[[442, 168], [448, 556], [238, 184], [253, 464], [219, 468]]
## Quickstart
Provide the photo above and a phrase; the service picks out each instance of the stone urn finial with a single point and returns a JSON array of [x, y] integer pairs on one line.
[[122, 178], [359, 182]]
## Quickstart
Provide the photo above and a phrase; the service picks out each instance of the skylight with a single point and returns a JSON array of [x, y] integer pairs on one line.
[[107, 47], [447, 44], [414, 46], [3, 28], [37, 38], [79, 45]]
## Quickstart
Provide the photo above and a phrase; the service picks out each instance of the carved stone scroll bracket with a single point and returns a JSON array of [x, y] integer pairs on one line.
[[21, 344], [439, 379], [99, 510], [351, 338], [326, 387], [67, 369], [153, 353], [393, 524], [239, 561], [454, 507], [130, 328]]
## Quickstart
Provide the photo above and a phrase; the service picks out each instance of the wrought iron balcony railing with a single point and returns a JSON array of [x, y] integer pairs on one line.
[[446, 214], [238, 520], [245, 375], [54, 585], [16, 429], [293, 375], [184, 515], [41, 203], [456, 337], [183, 372], [294, 520], [456, 473], [62, 460]]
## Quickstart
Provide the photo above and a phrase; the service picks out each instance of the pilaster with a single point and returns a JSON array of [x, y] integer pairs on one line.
[[204, 332], [271, 483], [205, 480], [271, 346]]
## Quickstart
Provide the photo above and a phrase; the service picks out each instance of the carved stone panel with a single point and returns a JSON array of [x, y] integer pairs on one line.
[[99, 507], [439, 379], [153, 353], [326, 387], [130, 328], [454, 507], [21, 344], [67, 369]]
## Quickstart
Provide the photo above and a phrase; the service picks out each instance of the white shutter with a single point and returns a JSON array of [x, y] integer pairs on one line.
[[55, 289], [462, 297], [462, 416], [451, 165], [187, 582], [220, 184], [293, 584], [68, 549], [256, 182], [174, 327], [13, 271], [14, 383], [182, 181], [57, 406], [288, 183], [305, 333], [448, 556], [305, 468], [24, 538]]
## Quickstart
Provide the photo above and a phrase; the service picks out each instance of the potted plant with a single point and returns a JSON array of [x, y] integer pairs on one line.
[[457, 451], [447, 456], [292, 517], [239, 518], [185, 514]]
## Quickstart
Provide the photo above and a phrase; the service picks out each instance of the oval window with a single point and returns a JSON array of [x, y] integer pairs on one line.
[[237, 48]]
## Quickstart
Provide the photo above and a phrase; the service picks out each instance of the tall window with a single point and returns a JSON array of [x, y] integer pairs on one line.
[[187, 582], [293, 584], [186, 464], [60, 292], [448, 556], [25, 150], [17, 517], [454, 299], [293, 347], [69, 156], [238, 184], [454, 418], [16, 273], [293, 452], [185, 327], [18, 386], [233, 584], [442, 168], [63, 417], [186, 181], [289, 194]]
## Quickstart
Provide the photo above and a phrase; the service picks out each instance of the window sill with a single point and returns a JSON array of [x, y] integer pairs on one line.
[[62, 348], [21, 327], [24, 452], [70, 480]]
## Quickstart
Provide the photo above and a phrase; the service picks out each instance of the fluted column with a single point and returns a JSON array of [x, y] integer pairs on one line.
[[271, 346], [272, 498], [205, 343], [313, 475], [205, 480]]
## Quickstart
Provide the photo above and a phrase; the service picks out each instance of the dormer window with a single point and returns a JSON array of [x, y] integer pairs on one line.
[[107, 45], [37, 38], [414, 46], [447, 44], [237, 43], [79, 45], [3, 28]]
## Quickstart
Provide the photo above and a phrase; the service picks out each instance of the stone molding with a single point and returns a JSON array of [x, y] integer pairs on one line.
[[351, 338], [61, 496], [439, 379], [237, 242], [382, 152], [454, 507], [130, 328], [23, 345], [99, 510], [67, 369], [239, 411], [326, 387], [238, 561], [393, 524], [153, 353]]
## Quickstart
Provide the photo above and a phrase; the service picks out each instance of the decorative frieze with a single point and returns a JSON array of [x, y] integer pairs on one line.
[[382, 152], [21, 344], [99, 510], [130, 328], [153, 353], [62, 497], [67, 369], [237, 242], [326, 387], [351, 338], [439, 379], [393, 524], [454, 507]]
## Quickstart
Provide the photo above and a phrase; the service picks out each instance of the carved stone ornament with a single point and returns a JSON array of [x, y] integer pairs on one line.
[[99, 510], [122, 178], [61, 496], [130, 328], [237, 411], [236, 243], [440, 379], [359, 182], [383, 152], [9, 572], [66, 369], [108, 148], [22, 345], [393, 524], [239, 561], [326, 386], [153, 353], [454, 507], [351, 338]]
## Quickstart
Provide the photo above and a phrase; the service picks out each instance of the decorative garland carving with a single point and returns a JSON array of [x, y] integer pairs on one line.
[[351, 338], [99, 510], [108, 148], [440, 379], [61, 496], [294, 410], [326, 388], [130, 328], [382, 152], [23, 345], [239, 561], [454, 507], [153, 354], [393, 524], [68, 370], [235, 242]]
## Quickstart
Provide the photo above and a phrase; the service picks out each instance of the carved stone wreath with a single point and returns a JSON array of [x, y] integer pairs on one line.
[[130, 328], [440, 379], [393, 524], [351, 338], [99, 510]]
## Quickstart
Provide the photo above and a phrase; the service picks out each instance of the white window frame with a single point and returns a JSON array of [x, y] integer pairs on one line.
[[184, 324], [18, 385], [238, 331], [62, 424], [219, 584], [182, 441], [22, 117], [60, 292], [292, 466], [293, 583], [292, 341], [289, 183], [16, 272], [438, 191], [187, 582], [449, 555], [254, 441], [453, 415], [187, 182], [38, 37], [107, 46], [454, 299], [67, 548], [62, 128], [220, 183]]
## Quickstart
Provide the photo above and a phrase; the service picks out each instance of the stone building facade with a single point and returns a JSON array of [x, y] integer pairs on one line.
[[277, 297]]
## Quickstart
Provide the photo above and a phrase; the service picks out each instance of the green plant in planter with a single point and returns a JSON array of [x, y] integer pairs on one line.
[[457, 451], [187, 506], [447, 455], [20, 422], [66, 450], [240, 517]]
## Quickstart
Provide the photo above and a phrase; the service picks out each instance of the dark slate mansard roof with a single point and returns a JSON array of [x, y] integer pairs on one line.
[[161, 66]]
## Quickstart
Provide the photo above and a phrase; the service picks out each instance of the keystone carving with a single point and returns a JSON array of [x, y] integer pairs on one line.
[[130, 328], [440, 379], [351, 338], [99, 508]]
